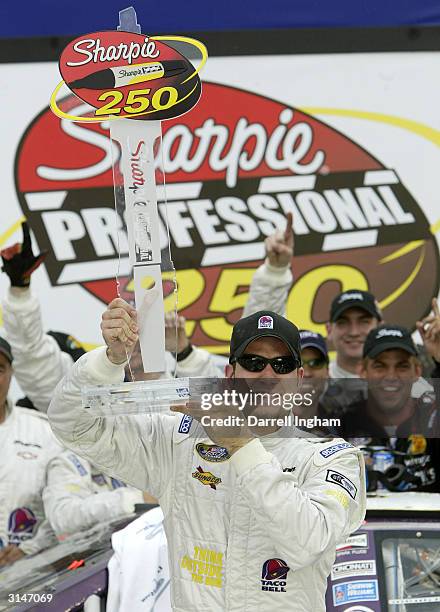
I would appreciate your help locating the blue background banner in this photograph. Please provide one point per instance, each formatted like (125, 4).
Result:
(52, 18)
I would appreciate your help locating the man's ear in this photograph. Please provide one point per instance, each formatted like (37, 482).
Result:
(363, 371)
(329, 328)
(419, 369)
(229, 371)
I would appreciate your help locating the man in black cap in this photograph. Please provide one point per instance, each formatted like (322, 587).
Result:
(250, 522)
(399, 432)
(353, 314)
(314, 357)
(314, 354)
(278, 332)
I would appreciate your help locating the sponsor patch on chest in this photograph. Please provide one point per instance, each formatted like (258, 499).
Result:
(21, 525)
(274, 575)
(206, 478)
(212, 453)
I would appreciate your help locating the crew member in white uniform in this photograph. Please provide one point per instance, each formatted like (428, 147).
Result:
(28, 448)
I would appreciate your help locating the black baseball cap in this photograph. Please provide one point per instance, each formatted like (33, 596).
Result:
(5, 349)
(355, 298)
(260, 324)
(387, 337)
(310, 339)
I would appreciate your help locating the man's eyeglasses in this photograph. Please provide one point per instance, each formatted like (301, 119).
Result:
(317, 363)
(257, 363)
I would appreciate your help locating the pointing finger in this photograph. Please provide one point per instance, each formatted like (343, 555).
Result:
(288, 233)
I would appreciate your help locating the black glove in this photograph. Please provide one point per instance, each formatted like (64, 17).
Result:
(18, 260)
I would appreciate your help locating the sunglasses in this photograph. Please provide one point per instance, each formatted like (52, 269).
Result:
(315, 364)
(280, 365)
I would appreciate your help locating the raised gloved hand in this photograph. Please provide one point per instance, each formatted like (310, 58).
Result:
(19, 261)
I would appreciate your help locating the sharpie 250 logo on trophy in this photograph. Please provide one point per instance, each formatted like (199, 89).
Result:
(122, 74)
(235, 165)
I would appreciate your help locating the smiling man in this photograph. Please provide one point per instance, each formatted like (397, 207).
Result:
(252, 523)
(353, 314)
(390, 419)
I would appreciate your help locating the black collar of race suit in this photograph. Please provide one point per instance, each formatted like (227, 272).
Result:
(425, 420)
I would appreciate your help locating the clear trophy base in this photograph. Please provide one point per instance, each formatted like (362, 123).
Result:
(144, 397)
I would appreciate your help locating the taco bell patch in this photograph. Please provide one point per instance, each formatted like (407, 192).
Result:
(265, 322)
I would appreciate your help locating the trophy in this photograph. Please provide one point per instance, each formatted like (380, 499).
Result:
(133, 82)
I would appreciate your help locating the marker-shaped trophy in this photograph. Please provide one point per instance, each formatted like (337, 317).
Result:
(94, 69)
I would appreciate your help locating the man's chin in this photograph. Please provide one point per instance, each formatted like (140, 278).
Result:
(313, 387)
(353, 352)
(264, 412)
(389, 407)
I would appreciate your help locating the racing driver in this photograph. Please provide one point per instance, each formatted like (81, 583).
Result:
(252, 523)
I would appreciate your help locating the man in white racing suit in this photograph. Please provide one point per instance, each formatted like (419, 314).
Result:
(28, 448)
(251, 524)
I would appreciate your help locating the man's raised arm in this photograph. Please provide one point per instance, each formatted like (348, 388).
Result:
(136, 449)
(272, 280)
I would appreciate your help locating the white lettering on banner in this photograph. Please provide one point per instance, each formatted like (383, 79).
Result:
(178, 223)
(315, 207)
(93, 51)
(102, 225)
(214, 223)
(187, 151)
(65, 227)
(394, 206)
(265, 207)
(91, 137)
(345, 208)
(374, 209)
(284, 149)
(240, 227)
(200, 214)
(206, 223)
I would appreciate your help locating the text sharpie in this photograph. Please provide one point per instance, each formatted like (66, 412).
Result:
(120, 76)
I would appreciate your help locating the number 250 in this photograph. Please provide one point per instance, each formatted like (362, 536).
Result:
(137, 101)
